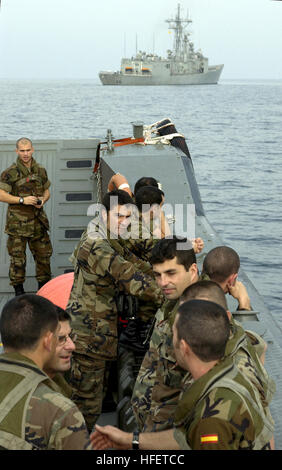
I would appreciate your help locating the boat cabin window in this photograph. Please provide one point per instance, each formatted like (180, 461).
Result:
(73, 233)
(78, 197)
(79, 164)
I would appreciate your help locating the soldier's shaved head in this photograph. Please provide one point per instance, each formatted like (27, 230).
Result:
(23, 140)
(205, 290)
(205, 327)
(220, 263)
(25, 319)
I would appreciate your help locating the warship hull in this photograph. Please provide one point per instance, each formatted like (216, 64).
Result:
(211, 77)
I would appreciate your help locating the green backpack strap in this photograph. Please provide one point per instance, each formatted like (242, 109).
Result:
(9, 441)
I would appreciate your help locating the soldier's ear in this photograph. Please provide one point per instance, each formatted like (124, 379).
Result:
(48, 341)
(184, 348)
(194, 272)
(231, 280)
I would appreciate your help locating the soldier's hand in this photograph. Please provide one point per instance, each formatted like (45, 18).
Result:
(38, 206)
(239, 292)
(109, 437)
(30, 201)
(198, 245)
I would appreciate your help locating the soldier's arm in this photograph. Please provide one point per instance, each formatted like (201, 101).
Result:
(139, 263)
(69, 431)
(239, 292)
(130, 279)
(106, 437)
(6, 197)
(10, 199)
(140, 247)
(46, 196)
(217, 434)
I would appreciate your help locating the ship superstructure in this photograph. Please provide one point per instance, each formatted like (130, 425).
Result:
(182, 66)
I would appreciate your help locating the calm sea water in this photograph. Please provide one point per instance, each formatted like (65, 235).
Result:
(233, 131)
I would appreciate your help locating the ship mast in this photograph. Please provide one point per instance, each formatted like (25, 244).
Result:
(176, 24)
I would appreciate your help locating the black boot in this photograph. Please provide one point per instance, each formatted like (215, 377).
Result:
(19, 290)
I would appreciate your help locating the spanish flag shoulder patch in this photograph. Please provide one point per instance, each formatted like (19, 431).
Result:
(209, 438)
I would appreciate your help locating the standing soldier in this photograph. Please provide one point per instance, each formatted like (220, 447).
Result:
(103, 268)
(25, 187)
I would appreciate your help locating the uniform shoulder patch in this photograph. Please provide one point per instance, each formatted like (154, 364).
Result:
(208, 438)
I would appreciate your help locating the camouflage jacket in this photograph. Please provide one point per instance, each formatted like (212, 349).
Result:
(160, 380)
(243, 347)
(140, 243)
(101, 272)
(141, 240)
(222, 411)
(33, 414)
(18, 180)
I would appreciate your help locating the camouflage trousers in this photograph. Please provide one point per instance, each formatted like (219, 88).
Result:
(41, 249)
(88, 378)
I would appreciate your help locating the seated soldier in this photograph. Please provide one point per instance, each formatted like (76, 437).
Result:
(149, 201)
(220, 411)
(161, 227)
(61, 361)
(222, 265)
(166, 384)
(34, 415)
(119, 181)
(242, 345)
(175, 268)
(146, 181)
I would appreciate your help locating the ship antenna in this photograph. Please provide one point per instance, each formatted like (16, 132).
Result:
(136, 44)
(176, 24)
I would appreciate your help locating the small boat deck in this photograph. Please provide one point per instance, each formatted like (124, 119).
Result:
(70, 164)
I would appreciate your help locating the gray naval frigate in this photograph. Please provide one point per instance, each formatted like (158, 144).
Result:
(182, 66)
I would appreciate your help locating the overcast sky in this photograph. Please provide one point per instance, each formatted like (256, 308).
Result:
(78, 38)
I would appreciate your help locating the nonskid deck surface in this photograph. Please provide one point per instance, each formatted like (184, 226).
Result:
(69, 165)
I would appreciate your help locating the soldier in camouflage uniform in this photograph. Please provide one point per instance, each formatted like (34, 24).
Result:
(61, 361)
(25, 187)
(221, 410)
(158, 382)
(34, 415)
(161, 381)
(101, 272)
(222, 265)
